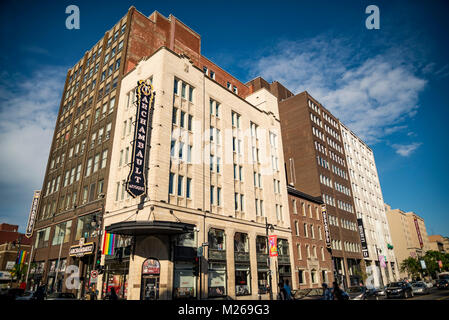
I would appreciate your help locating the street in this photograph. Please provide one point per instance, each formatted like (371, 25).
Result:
(434, 294)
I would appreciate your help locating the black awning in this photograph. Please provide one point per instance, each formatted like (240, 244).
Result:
(137, 228)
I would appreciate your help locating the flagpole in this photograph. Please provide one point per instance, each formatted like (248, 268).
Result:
(29, 264)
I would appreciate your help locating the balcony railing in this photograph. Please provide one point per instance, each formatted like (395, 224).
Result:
(284, 259)
(241, 256)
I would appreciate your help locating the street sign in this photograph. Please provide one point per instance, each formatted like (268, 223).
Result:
(94, 274)
(423, 264)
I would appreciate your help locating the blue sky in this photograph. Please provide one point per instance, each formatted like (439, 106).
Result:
(390, 85)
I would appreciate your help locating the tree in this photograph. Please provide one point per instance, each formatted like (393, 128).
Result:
(412, 266)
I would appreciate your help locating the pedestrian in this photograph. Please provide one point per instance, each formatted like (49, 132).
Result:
(113, 295)
(282, 293)
(338, 293)
(327, 292)
(288, 291)
(92, 294)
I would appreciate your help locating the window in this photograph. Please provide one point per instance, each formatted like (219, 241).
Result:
(89, 167)
(96, 162)
(189, 125)
(62, 233)
(180, 181)
(183, 90)
(182, 119)
(218, 196)
(84, 227)
(298, 250)
(188, 187)
(211, 194)
(170, 183)
(175, 110)
(175, 87)
(104, 159)
(190, 94)
(212, 74)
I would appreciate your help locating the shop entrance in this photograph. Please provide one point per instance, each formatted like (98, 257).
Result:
(151, 270)
(150, 288)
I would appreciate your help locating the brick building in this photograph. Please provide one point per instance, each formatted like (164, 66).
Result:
(315, 164)
(312, 259)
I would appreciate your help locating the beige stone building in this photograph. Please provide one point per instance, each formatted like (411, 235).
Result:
(215, 176)
(439, 243)
(409, 234)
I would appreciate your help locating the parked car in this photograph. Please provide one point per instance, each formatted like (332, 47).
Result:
(380, 291)
(61, 296)
(399, 290)
(429, 284)
(443, 284)
(27, 295)
(12, 293)
(420, 288)
(355, 293)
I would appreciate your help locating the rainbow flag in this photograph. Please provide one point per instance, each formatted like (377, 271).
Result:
(22, 257)
(108, 243)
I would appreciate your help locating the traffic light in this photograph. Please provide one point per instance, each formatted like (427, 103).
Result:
(98, 261)
(196, 266)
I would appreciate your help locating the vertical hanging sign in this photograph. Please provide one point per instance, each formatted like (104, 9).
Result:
(272, 241)
(136, 182)
(421, 244)
(365, 251)
(33, 214)
(327, 234)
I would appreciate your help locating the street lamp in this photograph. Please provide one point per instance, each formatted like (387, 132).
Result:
(380, 267)
(271, 228)
(98, 224)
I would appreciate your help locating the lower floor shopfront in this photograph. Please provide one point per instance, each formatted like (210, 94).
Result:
(161, 260)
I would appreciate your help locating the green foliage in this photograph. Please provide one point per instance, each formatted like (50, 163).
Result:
(19, 271)
(413, 266)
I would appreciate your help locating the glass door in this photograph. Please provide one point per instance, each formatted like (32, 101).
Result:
(150, 288)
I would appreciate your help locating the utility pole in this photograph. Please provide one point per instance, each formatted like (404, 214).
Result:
(271, 227)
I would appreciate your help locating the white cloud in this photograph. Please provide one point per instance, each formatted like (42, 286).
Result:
(406, 150)
(373, 95)
(28, 110)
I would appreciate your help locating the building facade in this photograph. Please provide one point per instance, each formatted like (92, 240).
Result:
(409, 235)
(77, 173)
(312, 259)
(315, 164)
(214, 181)
(439, 243)
(377, 249)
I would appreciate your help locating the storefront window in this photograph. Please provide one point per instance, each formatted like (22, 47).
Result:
(217, 279)
(42, 238)
(242, 279)
(84, 227)
(62, 232)
(216, 239)
(283, 247)
(186, 240)
(185, 281)
(261, 245)
(240, 242)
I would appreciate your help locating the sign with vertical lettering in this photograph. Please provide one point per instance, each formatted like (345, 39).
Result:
(327, 234)
(272, 241)
(418, 232)
(33, 213)
(363, 238)
(136, 182)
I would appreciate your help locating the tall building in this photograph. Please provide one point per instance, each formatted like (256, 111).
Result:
(439, 243)
(377, 249)
(312, 260)
(315, 164)
(185, 204)
(408, 233)
(211, 179)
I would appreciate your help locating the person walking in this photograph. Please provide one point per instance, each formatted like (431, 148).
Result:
(92, 293)
(288, 291)
(327, 292)
(113, 295)
(338, 293)
(282, 295)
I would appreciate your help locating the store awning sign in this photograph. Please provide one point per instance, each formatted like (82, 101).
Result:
(272, 242)
(136, 182)
(151, 266)
(33, 214)
(81, 250)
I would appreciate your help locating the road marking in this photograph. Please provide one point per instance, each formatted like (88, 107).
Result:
(443, 298)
